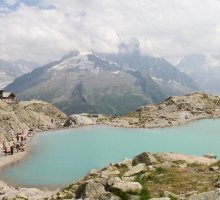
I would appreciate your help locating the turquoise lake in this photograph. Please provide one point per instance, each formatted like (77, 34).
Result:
(60, 157)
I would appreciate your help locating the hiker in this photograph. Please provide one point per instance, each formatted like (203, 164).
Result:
(12, 150)
(17, 136)
(17, 147)
(22, 146)
(3, 147)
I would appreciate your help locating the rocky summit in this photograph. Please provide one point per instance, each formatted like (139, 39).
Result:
(28, 115)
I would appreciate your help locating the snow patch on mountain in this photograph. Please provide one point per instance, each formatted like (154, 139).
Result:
(80, 60)
(157, 79)
(117, 72)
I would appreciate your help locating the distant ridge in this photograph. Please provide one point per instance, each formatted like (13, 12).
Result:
(173, 111)
(9, 70)
(93, 83)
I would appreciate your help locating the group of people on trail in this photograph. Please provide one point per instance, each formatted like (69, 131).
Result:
(18, 143)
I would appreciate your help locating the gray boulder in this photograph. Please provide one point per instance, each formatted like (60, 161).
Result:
(91, 190)
(108, 173)
(212, 195)
(116, 184)
(146, 158)
(126, 162)
(135, 170)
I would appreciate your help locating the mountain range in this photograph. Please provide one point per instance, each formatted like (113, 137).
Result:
(11, 70)
(204, 69)
(103, 83)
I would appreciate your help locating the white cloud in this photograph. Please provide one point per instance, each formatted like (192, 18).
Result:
(10, 2)
(168, 28)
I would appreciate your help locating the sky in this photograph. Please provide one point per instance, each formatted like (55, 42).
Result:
(45, 30)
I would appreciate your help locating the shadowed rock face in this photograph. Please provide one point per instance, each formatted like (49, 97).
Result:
(35, 115)
(145, 158)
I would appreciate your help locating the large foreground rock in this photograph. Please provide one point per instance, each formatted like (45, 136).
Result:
(90, 190)
(212, 195)
(187, 158)
(146, 158)
(116, 184)
(136, 169)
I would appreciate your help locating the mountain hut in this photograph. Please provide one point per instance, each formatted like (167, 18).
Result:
(9, 97)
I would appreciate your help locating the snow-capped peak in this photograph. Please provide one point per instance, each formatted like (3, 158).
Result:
(75, 59)
(84, 52)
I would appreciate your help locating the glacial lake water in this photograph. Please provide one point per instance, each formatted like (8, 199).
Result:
(60, 157)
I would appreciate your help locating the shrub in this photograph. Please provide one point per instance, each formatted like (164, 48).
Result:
(145, 194)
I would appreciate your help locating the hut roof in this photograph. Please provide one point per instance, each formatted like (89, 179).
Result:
(7, 94)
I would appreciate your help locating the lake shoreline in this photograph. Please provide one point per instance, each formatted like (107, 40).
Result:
(17, 157)
(12, 188)
(10, 159)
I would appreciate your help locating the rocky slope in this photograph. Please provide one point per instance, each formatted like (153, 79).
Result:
(25, 115)
(88, 82)
(175, 110)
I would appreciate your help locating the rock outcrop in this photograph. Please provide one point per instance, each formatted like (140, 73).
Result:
(145, 158)
(212, 195)
(28, 115)
(173, 111)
